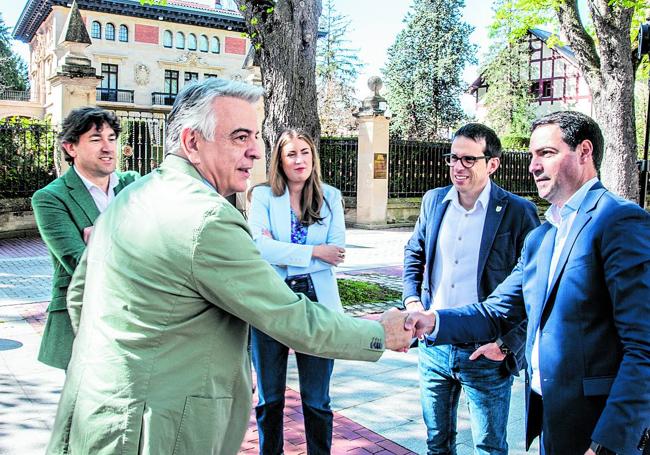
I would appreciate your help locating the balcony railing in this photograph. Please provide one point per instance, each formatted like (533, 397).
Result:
(115, 95)
(14, 95)
(164, 99)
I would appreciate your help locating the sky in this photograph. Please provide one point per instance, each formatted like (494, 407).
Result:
(374, 26)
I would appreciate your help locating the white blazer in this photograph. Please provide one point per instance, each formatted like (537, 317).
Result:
(288, 259)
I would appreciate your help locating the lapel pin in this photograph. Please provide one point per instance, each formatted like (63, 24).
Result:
(498, 208)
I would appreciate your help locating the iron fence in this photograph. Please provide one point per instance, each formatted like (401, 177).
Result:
(27, 156)
(513, 173)
(142, 141)
(338, 162)
(415, 167)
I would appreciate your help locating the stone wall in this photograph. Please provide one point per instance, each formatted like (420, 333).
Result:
(16, 218)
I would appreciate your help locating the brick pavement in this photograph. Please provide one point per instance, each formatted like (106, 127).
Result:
(25, 275)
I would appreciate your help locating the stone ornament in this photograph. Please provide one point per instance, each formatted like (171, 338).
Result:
(191, 58)
(142, 74)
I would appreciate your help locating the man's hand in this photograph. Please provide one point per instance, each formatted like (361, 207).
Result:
(331, 254)
(397, 337)
(590, 452)
(414, 305)
(490, 351)
(86, 234)
(421, 323)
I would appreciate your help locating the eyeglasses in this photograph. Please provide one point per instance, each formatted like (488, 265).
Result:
(466, 161)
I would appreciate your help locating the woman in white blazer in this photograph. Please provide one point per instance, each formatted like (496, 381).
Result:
(297, 223)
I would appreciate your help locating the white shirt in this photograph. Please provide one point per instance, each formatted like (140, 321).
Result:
(562, 219)
(454, 274)
(101, 199)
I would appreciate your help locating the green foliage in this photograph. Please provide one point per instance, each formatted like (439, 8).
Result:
(257, 13)
(515, 142)
(423, 73)
(13, 70)
(154, 2)
(508, 99)
(337, 69)
(353, 292)
(27, 150)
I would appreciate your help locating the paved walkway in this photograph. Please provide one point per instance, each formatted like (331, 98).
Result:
(376, 405)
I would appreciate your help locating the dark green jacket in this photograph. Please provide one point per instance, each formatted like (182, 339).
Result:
(62, 210)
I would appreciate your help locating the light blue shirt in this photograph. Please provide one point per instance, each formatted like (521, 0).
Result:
(562, 219)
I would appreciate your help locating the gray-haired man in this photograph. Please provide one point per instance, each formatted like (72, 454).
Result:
(169, 283)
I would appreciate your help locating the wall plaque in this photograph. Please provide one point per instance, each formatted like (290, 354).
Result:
(380, 166)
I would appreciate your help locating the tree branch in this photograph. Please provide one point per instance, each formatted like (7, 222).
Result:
(579, 40)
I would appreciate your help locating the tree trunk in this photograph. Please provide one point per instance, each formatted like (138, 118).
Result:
(285, 40)
(608, 68)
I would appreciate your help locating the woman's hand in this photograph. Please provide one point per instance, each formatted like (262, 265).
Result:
(267, 233)
(331, 254)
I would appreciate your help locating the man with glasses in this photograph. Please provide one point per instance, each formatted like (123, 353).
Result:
(466, 241)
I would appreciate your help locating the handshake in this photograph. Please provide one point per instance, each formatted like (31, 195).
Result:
(400, 327)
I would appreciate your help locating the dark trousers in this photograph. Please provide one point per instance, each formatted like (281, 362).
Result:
(270, 361)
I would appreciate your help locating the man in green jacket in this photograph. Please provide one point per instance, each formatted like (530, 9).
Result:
(169, 284)
(66, 211)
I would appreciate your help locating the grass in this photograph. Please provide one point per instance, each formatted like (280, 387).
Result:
(353, 292)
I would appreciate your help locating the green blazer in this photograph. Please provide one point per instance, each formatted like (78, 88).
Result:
(62, 210)
(170, 282)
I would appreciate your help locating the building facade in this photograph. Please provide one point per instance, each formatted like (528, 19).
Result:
(555, 79)
(145, 52)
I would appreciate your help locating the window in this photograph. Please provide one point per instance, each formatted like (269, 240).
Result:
(168, 39)
(124, 33)
(96, 30)
(171, 82)
(547, 89)
(108, 85)
(191, 42)
(534, 90)
(191, 77)
(110, 32)
(208, 75)
(180, 40)
(216, 46)
(203, 43)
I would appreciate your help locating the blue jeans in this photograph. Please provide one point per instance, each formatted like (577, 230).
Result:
(443, 371)
(270, 361)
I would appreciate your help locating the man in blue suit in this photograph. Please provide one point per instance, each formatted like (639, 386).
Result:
(583, 283)
(466, 241)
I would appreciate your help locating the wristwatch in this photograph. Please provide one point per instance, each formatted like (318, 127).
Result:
(502, 347)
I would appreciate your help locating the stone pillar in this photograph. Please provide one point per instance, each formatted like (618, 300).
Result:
(372, 167)
(74, 83)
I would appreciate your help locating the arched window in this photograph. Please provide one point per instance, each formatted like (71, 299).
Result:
(96, 30)
(191, 42)
(110, 32)
(124, 33)
(216, 45)
(180, 40)
(168, 38)
(203, 43)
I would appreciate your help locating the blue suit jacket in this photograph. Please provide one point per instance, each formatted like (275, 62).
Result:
(288, 259)
(501, 242)
(594, 324)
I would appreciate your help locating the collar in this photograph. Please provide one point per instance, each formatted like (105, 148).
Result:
(113, 181)
(483, 198)
(555, 214)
